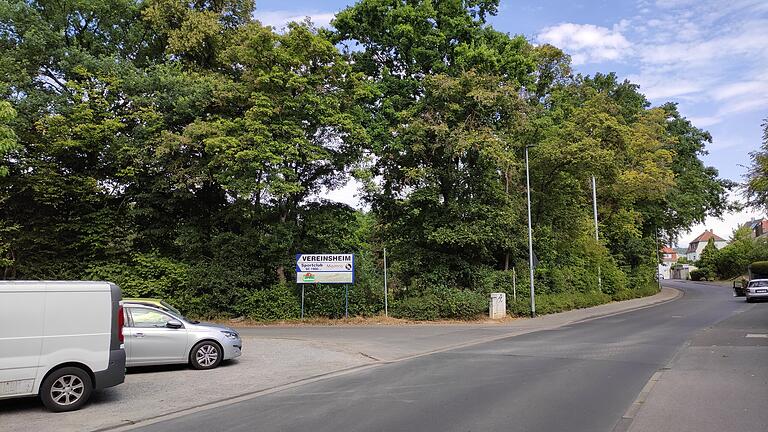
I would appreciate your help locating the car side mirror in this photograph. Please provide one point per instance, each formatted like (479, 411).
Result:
(174, 324)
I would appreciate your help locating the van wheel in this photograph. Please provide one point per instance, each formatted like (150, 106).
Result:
(206, 355)
(66, 389)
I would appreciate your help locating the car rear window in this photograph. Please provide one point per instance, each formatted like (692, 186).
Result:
(758, 284)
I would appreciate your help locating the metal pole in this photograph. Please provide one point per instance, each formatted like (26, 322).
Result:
(346, 301)
(658, 259)
(386, 312)
(514, 285)
(597, 238)
(302, 301)
(530, 234)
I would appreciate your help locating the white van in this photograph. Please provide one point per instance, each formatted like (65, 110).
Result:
(60, 341)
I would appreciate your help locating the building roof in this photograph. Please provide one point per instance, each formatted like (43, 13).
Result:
(704, 237)
(751, 224)
(668, 250)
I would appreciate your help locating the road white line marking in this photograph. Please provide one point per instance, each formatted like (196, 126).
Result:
(757, 335)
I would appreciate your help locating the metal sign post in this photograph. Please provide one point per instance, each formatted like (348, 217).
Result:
(325, 268)
(328, 269)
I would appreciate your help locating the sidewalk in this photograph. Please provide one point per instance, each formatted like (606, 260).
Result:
(718, 382)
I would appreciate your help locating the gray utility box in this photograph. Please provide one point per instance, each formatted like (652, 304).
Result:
(497, 309)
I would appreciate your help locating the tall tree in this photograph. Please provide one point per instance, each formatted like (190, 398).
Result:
(756, 187)
(8, 142)
(296, 132)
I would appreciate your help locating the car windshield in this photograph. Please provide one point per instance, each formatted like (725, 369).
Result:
(172, 309)
(176, 312)
(759, 283)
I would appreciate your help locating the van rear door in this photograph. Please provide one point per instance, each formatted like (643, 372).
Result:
(22, 307)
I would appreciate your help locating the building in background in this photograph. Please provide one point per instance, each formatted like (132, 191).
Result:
(759, 227)
(668, 259)
(693, 253)
(668, 255)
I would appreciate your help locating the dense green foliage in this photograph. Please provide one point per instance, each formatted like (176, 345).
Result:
(699, 274)
(734, 259)
(182, 150)
(759, 269)
(756, 190)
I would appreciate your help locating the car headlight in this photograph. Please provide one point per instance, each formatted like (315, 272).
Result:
(230, 334)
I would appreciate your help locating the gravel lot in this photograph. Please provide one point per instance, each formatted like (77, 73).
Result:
(152, 391)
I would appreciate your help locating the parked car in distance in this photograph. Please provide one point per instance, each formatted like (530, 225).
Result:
(157, 336)
(60, 341)
(756, 289)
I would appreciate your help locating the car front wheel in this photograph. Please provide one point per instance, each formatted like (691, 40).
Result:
(66, 389)
(206, 355)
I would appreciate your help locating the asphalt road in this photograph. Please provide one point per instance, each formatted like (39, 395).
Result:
(717, 382)
(581, 377)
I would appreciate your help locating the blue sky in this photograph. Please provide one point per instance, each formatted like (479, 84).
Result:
(709, 56)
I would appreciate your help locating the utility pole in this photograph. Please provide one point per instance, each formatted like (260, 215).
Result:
(530, 233)
(386, 312)
(658, 259)
(597, 238)
(514, 285)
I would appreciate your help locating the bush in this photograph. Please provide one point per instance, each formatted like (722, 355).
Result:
(462, 304)
(148, 275)
(278, 302)
(449, 303)
(422, 308)
(560, 302)
(698, 274)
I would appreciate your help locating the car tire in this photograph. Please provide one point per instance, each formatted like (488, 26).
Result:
(206, 355)
(66, 389)
(749, 300)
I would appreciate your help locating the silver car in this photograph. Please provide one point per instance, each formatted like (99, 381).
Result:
(154, 336)
(756, 289)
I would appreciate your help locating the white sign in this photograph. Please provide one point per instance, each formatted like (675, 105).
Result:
(325, 268)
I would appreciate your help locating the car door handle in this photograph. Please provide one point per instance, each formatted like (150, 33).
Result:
(139, 335)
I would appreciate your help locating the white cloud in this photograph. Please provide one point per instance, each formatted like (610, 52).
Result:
(740, 89)
(703, 122)
(709, 55)
(723, 227)
(662, 86)
(667, 4)
(587, 42)
(739, 97)
(280, 18)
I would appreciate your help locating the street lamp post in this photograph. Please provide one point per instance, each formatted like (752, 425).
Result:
(597, 238)
(530, 233)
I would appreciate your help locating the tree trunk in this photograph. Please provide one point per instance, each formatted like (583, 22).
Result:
(281, 268)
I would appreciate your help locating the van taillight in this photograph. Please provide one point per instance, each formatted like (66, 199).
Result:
(120, 323)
